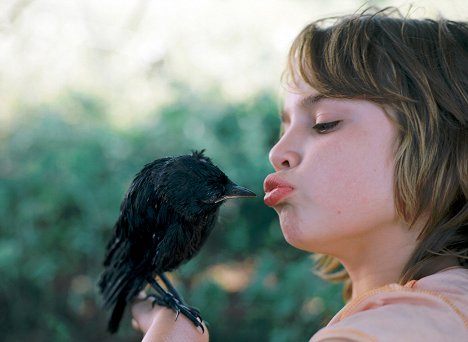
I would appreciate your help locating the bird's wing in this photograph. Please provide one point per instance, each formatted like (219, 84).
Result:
(137, 207)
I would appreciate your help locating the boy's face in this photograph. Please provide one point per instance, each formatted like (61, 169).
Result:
(341, 172)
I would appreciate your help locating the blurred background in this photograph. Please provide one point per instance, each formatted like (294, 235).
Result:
(92, 90)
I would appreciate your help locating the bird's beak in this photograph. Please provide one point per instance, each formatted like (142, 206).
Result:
(235, 191)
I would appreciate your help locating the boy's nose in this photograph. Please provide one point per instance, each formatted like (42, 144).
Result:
(283, 156)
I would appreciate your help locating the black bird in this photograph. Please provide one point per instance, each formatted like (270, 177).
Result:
(165, 217)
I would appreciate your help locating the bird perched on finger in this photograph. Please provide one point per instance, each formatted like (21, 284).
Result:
(165, 218)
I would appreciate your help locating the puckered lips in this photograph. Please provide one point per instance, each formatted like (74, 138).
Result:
(276, 189)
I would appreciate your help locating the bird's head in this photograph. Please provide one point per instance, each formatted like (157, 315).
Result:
(194, 185)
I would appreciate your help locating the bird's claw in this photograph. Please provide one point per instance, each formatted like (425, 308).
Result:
(168, 300)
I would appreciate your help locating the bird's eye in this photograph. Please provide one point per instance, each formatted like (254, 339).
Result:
(210, 198)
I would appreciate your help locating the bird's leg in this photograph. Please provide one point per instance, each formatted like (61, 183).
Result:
(175, 293)
(169, 300)
(170, 287)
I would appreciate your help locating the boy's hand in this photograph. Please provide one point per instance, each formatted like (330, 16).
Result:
(159, 323)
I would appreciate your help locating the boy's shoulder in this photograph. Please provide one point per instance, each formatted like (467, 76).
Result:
(434, 308)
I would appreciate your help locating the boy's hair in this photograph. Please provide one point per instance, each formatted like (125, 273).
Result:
(419, 69)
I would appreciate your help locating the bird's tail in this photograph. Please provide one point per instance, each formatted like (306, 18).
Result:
(117, 314)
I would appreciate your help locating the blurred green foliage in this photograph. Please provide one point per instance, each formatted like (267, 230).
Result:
(64, 168)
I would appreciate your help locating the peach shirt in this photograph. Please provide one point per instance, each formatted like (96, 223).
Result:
(434, 308)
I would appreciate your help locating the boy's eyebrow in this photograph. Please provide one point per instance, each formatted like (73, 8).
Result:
(306, 102)
(311, 100)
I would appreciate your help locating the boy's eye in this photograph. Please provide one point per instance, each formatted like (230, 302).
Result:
(325, 127)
